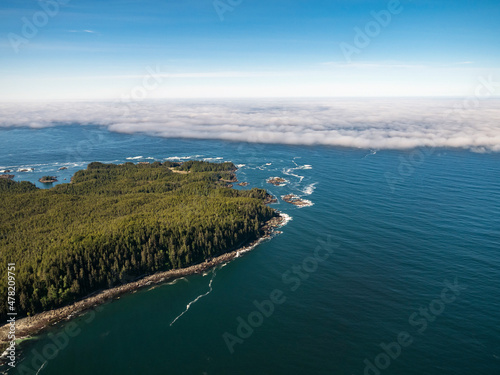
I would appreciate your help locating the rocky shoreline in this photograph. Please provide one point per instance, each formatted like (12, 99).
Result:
(33, 325)
(296, 201)
(276, 181)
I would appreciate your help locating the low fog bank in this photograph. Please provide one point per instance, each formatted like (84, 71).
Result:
(359, 123)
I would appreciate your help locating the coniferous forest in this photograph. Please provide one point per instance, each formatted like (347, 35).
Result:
(115, 223)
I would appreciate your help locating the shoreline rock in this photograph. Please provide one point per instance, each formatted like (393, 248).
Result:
(297, 201)
(47, 179)
(276, 181)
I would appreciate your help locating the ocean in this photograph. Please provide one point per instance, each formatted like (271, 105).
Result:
(392, 269)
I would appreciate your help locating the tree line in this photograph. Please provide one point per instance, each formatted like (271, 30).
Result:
(115, 223)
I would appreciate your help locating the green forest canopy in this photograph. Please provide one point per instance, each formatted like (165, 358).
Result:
(114, 223)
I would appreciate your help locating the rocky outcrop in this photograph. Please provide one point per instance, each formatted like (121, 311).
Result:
(276, 181)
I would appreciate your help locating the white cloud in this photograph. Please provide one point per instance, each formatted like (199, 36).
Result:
(219, 74)
(83, 31)
(361, 123)
(373, 65)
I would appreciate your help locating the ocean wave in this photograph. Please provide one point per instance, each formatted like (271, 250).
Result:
(135, 157)
(177, 280)
(289, 172)
(309, 189)
(188, 306)
(307, 202)
(263, 167)
(213, 159)
(287, 218)
(190, 157)
(40, 369)
(372, 152)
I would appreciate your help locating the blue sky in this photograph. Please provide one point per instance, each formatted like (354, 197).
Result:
(106, 49)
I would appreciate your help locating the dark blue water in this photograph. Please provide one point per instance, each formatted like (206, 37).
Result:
(400, 250)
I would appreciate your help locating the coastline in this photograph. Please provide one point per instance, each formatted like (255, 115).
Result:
(30, 326)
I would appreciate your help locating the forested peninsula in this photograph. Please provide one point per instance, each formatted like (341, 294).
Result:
(114, 224)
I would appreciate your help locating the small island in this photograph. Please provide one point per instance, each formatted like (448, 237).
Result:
(63, 168)
(243, 184)
(297, 201)
(48, 179)
(7, 176)
(276, 181)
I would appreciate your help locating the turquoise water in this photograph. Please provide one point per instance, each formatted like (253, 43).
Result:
(396, 232)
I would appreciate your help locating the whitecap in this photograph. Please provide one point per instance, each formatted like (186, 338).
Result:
(40, 369)
(213, 159)
(288, 171)
(307, 202)
(309, 189)
(287, 218)
(176, 280)
(189, 157)
(197, 298)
